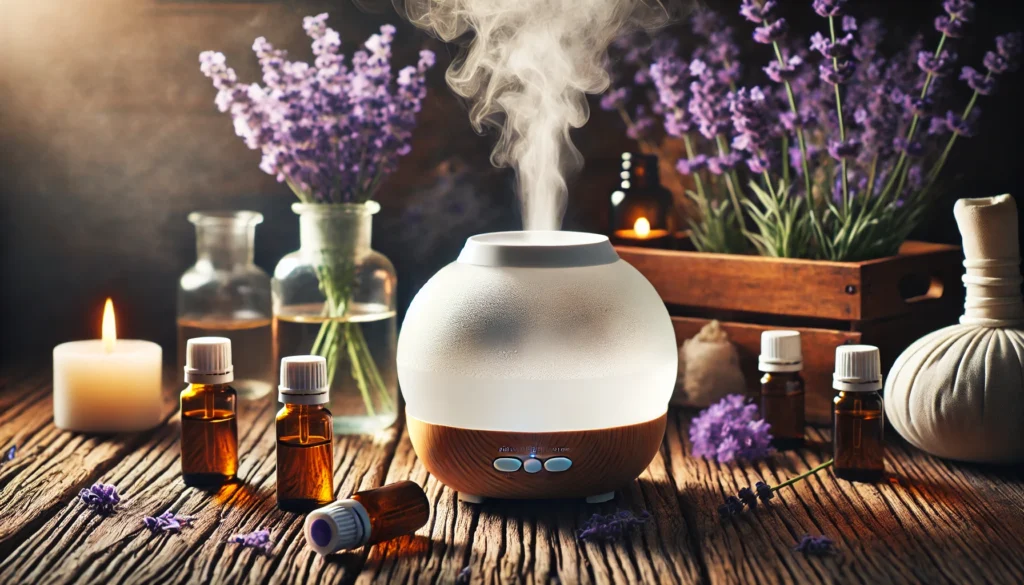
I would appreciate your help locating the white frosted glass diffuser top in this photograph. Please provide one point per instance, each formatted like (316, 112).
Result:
(537, 332)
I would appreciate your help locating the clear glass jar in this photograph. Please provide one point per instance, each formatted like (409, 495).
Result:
(335, 297)
(224, 294)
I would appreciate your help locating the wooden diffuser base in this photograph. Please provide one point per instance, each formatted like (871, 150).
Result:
(601, 460)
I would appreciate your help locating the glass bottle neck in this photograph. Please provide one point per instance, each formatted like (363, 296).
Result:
(225, 240)
(342, 228)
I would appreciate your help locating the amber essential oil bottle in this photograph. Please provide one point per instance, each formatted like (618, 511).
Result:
(858, 414)
(782, 387)
(209, 429)
(305, 436)
(367, 517)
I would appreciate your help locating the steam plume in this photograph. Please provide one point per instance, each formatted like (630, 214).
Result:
(526, 71)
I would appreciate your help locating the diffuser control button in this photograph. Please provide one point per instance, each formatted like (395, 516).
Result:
(532, 465)
(556, 464)
(507, 464)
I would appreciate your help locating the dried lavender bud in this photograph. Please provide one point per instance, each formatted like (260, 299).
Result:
(732, 507)
(748, 497)
(259, 539)
(463, 577)
(730, 429)
(764, 492)
(167, 522)
(610, 527)
(9, 454)
(102, 498)
(815, 545)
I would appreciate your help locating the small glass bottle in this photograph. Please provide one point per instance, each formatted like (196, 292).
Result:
(305, 436)
(858, 414)
(782, 387)
(225, 294)
(209, 430)
(367, 517)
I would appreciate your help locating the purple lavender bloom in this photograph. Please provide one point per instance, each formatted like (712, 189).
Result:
(940, 65)
(779, 73)
(8, 455)
(815, 545)
(643, 124)
(464, 576)
(847, 149)
(615, 99)
(167, 522)
(102, 498)
(952, 28)
(996, 63)
(840, 48)
(912, 148)
(937, 126)
(959, 9)
(669, 75)
(730, 429)
(611, 527)
(849, 23)
(719, 165)
(693, 165)
(1009, 45)
(758, 163)
(756, 12)
(981, 83)
(260, 539)
(764, 492)
(920, 107)
(836, 74)
(771, 32)
(706, 22)
(872, 33)
(827, 8)
(957, 125)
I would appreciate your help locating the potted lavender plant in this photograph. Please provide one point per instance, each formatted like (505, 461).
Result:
(332, 132)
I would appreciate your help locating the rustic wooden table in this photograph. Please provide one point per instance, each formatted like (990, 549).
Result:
(932, 522)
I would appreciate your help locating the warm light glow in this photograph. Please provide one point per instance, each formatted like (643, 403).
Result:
(109, 327)
(642, 227)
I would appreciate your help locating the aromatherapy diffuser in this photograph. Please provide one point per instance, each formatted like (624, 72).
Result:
(538, 365)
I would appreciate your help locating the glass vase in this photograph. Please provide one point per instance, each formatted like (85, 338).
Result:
(225, 294)
(335, 297)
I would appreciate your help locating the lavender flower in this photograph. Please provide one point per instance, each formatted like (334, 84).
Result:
(871, 34)
(911, 148)
(995, 63)
(937, 126)
(840, 73)
(611, 527)
(167, 522)
(940, 65)
(756, 12)
(330, 130)
(764, 492)
(1009, 46)
(748, 497)
(693, 165)
(981, 83)
(102, 498)
(779, 73)
(719, 165)
(846, 149)
(615, 99)
(729, 430)
(8, 455)
(733, 506)
(464, 576)
(958, 126)
(827, 8)
(771, 32)
(669, 75)
(832, 50)
(815, 545)
(260, 539)
(959, 9)
(849, 23)
(920, 107)
(951, 27)
(708, 104)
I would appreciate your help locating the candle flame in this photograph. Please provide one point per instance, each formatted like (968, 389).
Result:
(109, 327)
(642, 227)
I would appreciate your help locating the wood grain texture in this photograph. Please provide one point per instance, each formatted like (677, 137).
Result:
(842, 291)
(932, 522)
(603, 460)
(819, 349)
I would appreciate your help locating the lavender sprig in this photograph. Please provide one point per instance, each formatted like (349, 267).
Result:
(611, 527)
(815, 545)
(167, 522)
(730, 429)
(259, 539)
(102, 498)
(748, 498)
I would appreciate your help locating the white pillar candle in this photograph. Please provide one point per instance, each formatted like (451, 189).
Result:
(108, 385)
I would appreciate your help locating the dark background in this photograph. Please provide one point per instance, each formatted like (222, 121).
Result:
(109, 137)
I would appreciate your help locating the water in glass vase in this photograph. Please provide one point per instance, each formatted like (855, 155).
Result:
(252, 350)
(360, 352)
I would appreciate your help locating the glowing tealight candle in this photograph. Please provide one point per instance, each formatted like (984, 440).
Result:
(642, 232)
(642, 227)
(109, 384)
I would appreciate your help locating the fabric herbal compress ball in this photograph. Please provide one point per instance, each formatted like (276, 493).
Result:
(958, 392)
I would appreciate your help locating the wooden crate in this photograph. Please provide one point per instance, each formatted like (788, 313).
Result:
(889, 302)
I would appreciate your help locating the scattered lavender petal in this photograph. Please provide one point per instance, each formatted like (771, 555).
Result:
(9, 454)
(259, 539)
(102, 498)
(730, 429)
(815, 545)
(610, 527)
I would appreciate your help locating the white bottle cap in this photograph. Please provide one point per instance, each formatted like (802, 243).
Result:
(780, 352)
(303, 380)
(208, 361)
(338, 526)
(858, 369)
